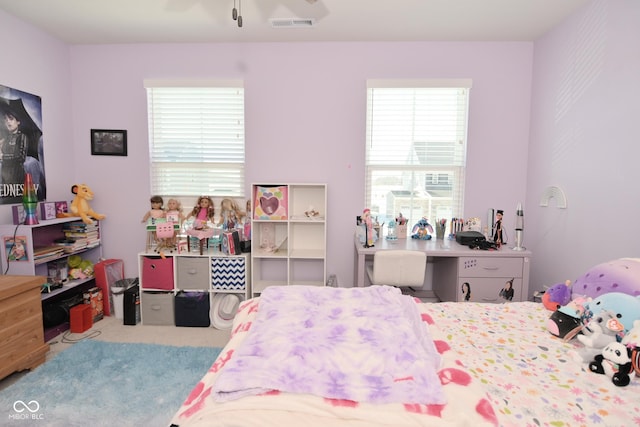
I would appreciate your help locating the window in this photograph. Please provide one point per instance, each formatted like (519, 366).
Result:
(196, 138)
(416, 148)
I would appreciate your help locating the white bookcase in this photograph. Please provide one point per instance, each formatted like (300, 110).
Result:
(41, 235)
(289, 235)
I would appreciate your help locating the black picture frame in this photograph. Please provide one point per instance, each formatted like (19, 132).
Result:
(108, 142)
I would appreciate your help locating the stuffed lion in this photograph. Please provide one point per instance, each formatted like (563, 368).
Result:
(80, 205)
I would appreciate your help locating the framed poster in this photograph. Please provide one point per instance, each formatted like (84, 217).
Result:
(106, 142)
(16, 248)
(21, 113)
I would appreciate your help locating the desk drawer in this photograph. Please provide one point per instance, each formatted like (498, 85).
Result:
(489, 267)
(487, 289)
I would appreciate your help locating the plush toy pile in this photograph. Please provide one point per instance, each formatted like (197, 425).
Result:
(601, 309)
(79, 268)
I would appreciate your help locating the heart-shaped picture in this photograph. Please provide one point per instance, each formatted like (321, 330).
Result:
(269, 205)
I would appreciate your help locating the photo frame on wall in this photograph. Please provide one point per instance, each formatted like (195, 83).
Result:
(108, 142)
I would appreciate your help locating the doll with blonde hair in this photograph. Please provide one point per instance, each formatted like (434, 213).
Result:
(174, 214)
(230, 214)
(203, 212)
(174, 211)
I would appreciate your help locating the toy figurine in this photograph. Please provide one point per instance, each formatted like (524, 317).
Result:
(422, 229)
(247, 222)
(498, 236)
(230, 214)
(203, 212)
(156, 211)
(368, 226)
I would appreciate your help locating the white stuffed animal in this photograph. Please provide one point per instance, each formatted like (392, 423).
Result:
(597, 334)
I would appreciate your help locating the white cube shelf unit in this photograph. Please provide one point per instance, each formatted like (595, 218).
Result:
(163, 277)
(289, 235)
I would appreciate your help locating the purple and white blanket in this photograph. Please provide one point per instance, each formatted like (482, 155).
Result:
(359, 344)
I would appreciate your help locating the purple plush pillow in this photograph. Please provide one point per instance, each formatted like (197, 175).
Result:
(620, 275)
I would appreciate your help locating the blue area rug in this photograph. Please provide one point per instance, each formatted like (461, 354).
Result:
(97, 383)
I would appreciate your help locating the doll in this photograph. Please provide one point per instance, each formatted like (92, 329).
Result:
(247, 222)
(498, 235)
(368, 226)
(156, 211)
(174, 211)
(174, 214)
(230, 214)
(203, 212)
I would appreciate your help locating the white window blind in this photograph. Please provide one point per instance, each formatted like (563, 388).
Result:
(416, 148)
(196, 138)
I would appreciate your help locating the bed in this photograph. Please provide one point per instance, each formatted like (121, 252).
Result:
(496, 365)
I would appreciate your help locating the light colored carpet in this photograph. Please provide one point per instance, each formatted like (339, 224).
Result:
(97, 383)
(112, 330)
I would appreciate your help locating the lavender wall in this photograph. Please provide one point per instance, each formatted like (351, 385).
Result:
(38, 64)
(584, 139)
(305, 115)
(305, 120)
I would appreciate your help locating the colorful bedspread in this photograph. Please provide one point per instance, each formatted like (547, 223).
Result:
(467, 403)
(529, 374)
(359, 344)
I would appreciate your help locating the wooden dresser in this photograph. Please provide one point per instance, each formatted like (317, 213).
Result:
(22, 343)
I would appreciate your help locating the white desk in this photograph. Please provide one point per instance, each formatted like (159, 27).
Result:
(486, 272)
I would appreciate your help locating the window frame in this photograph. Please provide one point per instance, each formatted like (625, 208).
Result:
(416, 167)
(217, 169)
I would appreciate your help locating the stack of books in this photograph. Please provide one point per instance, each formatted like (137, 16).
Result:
(84, 235)
(70, 245)
(47, 253)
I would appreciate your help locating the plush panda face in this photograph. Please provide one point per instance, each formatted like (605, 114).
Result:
(617, 353)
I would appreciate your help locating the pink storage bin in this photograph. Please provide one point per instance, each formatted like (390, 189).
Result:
(157, 273)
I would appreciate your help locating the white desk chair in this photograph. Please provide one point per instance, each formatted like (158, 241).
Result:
(400, 268)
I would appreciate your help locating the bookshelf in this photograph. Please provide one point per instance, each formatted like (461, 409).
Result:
(31, 249)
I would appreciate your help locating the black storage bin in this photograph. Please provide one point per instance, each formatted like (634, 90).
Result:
(192, 309)
(131, 305)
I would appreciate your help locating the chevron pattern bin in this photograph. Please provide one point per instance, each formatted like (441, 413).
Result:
(228, 274)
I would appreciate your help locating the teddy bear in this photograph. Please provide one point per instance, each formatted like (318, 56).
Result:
(615, 362)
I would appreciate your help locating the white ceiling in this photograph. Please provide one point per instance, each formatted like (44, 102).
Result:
(182, 21)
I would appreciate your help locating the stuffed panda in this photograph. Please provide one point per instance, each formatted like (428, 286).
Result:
(615, 362)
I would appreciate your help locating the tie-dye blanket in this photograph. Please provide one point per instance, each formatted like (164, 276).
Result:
(358, 344)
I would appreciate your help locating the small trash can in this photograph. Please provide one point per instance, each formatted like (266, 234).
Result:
(117, 295)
